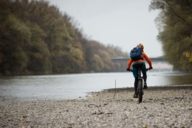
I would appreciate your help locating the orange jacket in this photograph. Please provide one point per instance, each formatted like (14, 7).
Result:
(144, 58)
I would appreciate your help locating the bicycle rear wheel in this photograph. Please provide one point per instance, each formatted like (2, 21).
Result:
(140, 90)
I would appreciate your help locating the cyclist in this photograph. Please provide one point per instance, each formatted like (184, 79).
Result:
(140, 63)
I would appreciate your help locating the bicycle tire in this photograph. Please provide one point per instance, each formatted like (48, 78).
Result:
(140, 90)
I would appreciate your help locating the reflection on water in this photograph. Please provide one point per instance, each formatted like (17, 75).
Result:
(75, 85)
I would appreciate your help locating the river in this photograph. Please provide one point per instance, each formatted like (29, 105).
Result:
(72, 86)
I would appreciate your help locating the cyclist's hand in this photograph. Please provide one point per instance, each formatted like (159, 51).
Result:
(128, 69)
(150, 68)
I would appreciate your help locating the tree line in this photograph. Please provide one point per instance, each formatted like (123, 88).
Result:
(175, 26)
(36, 38)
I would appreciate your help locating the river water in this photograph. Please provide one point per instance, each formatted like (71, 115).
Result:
(78, 85)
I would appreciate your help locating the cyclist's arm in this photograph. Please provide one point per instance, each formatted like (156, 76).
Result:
(130, 61)
(147, 59)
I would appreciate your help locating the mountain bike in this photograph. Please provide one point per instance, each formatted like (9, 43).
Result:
(140, 85)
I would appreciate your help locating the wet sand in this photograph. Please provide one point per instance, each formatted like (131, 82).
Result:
(115, 108)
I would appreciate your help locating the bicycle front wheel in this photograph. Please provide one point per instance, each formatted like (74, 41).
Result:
(140, 90)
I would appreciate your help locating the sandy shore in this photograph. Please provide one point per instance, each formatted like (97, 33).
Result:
(161, 108)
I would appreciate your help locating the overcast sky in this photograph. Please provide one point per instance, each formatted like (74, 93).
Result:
(123, 23)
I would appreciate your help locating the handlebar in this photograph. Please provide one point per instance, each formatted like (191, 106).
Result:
(131, 70)
(148, 69)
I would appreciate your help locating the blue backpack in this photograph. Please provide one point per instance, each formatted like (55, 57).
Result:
(136, 53)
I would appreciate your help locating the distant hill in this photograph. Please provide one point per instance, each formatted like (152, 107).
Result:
(37, 39)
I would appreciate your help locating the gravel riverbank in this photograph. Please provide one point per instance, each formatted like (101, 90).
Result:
(167, 108)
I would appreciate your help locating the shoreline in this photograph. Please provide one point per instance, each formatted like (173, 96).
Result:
(161, 107)
(153, 88)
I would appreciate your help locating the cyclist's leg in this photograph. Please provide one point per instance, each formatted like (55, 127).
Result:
(135, 74)
(144, 75)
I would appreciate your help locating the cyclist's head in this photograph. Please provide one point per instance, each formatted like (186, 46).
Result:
(140, 46)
